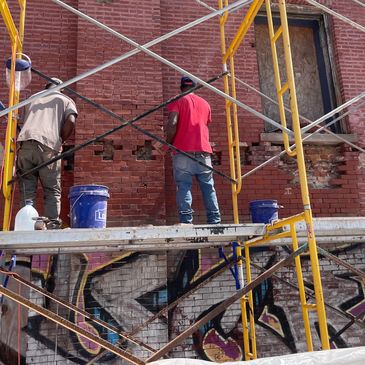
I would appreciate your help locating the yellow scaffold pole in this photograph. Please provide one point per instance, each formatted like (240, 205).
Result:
(248, 324)
(16, 38)
(247, 305)
(289, 86)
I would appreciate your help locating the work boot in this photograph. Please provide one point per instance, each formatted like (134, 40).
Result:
(40, 223)
(54, 224)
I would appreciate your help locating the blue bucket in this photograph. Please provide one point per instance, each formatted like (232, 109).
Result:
(88, 206)
(264, 211)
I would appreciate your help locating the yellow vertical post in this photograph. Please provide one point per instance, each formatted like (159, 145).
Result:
(303, 300)
(233, 145)
(252, 354)
(304, 183)
(8, 20)
(232, 127)
(248, 326)
(274, 36)
(16, 38)
(10, 146)
(22, 4)
(290, 87)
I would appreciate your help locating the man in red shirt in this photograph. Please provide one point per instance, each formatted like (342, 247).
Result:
(187, 130)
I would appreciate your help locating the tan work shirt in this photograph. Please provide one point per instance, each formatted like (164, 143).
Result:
(44, 119)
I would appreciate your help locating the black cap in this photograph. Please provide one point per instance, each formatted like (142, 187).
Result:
(187, 81)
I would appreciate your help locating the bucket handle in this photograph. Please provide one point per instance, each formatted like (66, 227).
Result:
(25, 56)
(78, 198)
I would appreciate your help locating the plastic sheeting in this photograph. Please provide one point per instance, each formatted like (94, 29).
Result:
(348, 356)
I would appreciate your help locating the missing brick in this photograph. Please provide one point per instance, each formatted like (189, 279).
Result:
(244, 155)
(108, 148)
(322, 164)
(144, 152)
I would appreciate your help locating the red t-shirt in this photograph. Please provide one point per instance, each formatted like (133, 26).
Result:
(192, 134)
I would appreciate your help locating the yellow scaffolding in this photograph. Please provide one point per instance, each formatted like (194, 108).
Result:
(249, 339)
(16, 39)
(234, 156)
(273, 231)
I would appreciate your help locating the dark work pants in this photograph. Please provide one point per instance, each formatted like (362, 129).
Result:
(31, 154)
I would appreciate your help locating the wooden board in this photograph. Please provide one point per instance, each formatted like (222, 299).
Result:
(307, 81)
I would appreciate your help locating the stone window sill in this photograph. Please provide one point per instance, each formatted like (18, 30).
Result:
(316, 139)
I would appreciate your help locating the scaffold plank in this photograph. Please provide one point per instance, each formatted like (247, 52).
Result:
(128, 238)
(177, 237)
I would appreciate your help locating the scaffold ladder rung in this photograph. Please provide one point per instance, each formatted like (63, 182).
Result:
(277, 34)
(283, 89)
(310, 306)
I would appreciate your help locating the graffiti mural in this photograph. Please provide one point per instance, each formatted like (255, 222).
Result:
(126, 289)
(214, 344)
(90, 268)
(45, 268)
(91, 265)
(356, 305)
(336, 341)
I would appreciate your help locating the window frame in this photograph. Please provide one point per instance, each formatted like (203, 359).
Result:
(321, 25)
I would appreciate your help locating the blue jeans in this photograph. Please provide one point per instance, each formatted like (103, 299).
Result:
(184, 170)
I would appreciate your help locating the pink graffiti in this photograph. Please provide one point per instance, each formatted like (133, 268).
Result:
(41, 263)
(219, 349)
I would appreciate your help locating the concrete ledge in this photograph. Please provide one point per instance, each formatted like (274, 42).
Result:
(327, 230)
(317, 139)
(127, 238)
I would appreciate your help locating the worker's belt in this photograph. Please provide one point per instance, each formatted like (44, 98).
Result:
(29, 141)
(199, 154)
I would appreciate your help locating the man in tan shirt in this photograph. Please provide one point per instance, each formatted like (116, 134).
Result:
(48, 122)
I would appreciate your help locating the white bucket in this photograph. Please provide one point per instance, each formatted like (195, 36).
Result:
(23, 74)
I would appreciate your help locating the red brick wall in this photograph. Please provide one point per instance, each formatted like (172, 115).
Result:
(351, 67)
(142, 191)
(128, 89)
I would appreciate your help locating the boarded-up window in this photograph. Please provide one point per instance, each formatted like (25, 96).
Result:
(314, 84)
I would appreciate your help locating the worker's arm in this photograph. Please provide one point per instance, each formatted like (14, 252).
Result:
(171, 126)
(21, 115)
(68, 127)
